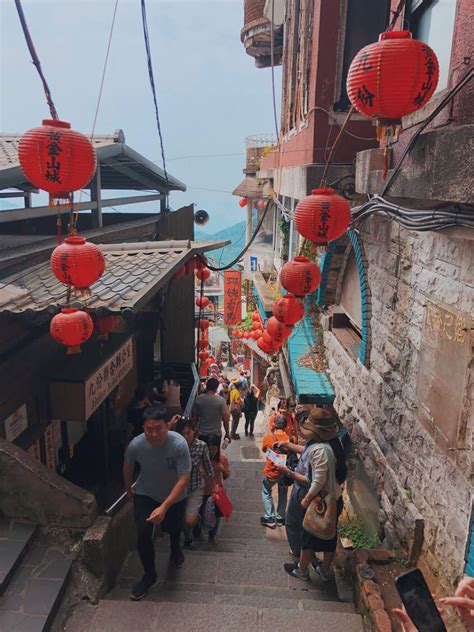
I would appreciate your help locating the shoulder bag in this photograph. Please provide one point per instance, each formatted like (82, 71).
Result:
(320, 519)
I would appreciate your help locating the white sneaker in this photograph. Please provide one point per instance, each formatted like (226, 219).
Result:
(322, 574)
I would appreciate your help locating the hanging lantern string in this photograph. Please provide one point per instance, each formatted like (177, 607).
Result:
(396, 15)
(35, 60)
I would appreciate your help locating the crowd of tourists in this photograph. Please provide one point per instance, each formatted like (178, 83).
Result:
(175, 469)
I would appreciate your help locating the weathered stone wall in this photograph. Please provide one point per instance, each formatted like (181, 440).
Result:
(425, 494)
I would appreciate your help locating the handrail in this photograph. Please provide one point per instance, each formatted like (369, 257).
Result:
(120, 501)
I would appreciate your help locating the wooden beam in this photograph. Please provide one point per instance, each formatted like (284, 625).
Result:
(132, 174)
(96, 186)
(12, 215)
(15, 194)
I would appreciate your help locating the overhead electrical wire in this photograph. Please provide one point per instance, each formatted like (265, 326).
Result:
(152, 83)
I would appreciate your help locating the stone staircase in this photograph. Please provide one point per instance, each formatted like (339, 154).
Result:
(238, 584)
(33, 578)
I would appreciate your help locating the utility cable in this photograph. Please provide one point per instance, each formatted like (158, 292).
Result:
(449, 97)
(35, 60)
(247, 246)
(152, 83)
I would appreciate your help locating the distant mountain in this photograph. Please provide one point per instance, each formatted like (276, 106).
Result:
(235, 233)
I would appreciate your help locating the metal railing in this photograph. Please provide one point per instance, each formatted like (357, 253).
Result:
(260, 140)
(121, 500)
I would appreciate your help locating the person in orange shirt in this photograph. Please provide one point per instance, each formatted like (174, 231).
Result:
(272, 477)
(284, 410)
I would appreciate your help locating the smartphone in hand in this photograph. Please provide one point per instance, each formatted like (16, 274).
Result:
(418, 602)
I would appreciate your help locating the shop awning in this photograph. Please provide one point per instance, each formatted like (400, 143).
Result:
(311, 387)
(134, 274)
(263, 295)
(249, 188)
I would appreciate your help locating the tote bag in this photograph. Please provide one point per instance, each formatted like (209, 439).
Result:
(320, 519)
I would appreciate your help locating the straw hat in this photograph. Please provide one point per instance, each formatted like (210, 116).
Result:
(318, 426)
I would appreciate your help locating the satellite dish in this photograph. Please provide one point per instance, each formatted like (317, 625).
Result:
(201, 217)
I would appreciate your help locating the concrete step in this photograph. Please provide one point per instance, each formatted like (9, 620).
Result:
(126, 616)
(15, 538)
(34, 593)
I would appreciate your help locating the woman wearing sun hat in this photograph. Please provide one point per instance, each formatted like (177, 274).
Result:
(322, 460)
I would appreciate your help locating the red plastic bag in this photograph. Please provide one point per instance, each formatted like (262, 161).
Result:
(222, 502)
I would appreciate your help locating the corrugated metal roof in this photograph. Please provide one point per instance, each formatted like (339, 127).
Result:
(121, 167)
(134, 273)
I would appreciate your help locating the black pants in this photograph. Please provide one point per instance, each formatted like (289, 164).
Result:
(172, 524)
(250, 421)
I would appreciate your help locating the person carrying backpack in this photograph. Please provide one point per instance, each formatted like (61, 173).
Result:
(272, 477)
(250, 409)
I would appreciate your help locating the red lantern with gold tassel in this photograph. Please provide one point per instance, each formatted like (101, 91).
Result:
(300, 276)
(288, 309)
(56, 158)
(71, 327)
(77, 263)
(393, 77)
(322, 216)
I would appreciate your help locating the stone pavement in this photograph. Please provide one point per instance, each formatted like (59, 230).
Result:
(239, 583)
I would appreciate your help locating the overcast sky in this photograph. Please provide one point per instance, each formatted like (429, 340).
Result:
(210, 93)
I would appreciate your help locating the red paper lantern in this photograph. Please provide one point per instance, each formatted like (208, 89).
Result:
(258, 333)
(202, 323)
(270, 341)
(234, 332)
(255, 324)
(71, 327)
(256, 316)
(203, 356)
(203, 344)
(242, 202)
(202, 301)
(105, 325)
(77, 262)
(278, 330)
(322, 216)
(288, 310)
(300, 276)
(203, 274)
(246, 335)
(189, 266)
(266, 348)
(200, 262)
(392, 77)
(57, 159)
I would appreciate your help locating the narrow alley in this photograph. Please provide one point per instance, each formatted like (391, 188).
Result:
(237, 584)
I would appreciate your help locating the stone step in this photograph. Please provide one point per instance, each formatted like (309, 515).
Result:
(34, 594)
(228, 575)
(126, 616)
(15, 538)
(256, 598)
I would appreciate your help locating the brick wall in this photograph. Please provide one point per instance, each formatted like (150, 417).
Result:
(253, 10)
(415, 480)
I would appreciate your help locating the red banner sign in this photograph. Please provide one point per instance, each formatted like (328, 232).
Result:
(232, 297)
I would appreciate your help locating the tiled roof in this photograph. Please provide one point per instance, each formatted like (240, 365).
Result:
(249, 187)
(134, 273)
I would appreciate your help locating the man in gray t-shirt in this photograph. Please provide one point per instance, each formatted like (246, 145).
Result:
(159, 496)
(210, 412)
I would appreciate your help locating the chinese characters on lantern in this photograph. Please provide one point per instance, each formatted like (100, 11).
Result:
(53, 165)
(232, 297)
(431, 71)
(324, 218)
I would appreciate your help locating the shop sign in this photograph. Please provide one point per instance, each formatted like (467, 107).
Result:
(34, 450)
(253, 264)
(232, 297)
(16, 423)
(107, 377)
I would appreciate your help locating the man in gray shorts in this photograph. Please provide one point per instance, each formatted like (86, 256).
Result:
(211, 412)
(159, 496)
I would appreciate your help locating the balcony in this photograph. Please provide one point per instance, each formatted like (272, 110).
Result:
(257, 34)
